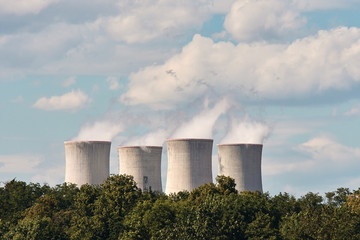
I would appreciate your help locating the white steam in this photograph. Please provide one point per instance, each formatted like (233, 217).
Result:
(99, 131)
(201, 125)
(246, 131)
(155, 138)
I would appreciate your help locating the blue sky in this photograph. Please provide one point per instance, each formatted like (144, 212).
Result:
(278, 72)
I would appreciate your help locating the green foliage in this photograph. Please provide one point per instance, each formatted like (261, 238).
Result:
(225, 185)
(16, 196)
(65, 194)
(117, 209)
(36, 228)
(262, 228)
(338, 197)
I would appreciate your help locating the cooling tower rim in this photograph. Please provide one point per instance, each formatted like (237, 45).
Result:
(239, 144)
(71, 142)
(140, 146)
(191, 139)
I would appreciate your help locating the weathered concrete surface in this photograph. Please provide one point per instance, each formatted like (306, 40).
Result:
(87, 162)
(143, 163)
(243, 163)
(189, 164)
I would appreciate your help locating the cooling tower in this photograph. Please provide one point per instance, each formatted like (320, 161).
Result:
(243, 163)
(189, 164)
(143, 163)
(87, 162)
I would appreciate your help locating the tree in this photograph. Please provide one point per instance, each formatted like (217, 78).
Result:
(262, 228)
(338, 197)
(16, 196)
(226, 185)
(34, 229)
(119, 194)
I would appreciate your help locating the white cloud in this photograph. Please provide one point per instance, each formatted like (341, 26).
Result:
(257, 20)
(308, 66)
(113, 82)
(19, 163)
(21, 7)
(65, 42)
(69, 101)
(220, 6)
(354, 111)
(4, 39)
(70, 81)
(311, 5)
(41, 48)
(285, 129)
(73, 49)
(103, 130)
(142, 21)
(319, 154)
(250, 20)
(325, 149)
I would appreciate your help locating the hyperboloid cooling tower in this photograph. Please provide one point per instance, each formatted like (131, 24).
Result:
(189, 164)
(143, 163)
(87, 162)
(243, 163)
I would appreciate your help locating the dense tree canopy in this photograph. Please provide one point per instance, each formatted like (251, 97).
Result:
(117, 209)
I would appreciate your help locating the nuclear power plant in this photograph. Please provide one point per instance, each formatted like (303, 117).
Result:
(87, 162)
(189, 164)
(241, 162)
(144, 164)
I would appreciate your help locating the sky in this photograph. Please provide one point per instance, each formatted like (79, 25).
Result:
(283, 73)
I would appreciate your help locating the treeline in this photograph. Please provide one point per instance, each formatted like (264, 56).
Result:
(119, 210)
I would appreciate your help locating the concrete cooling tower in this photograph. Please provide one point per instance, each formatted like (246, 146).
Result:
(243, 163)
(87, 162)
(189, 164)
(144, 164)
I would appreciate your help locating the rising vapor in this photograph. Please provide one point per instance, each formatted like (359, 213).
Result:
(246, 130)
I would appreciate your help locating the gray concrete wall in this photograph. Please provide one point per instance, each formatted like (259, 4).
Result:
(87, 162)
(143, 163)
(189, 164)
(243, 163)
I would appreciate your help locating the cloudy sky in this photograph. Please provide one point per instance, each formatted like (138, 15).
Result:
(285, 73)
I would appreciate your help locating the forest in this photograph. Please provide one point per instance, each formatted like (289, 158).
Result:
(117, 209)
